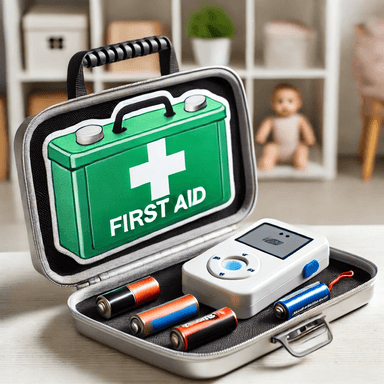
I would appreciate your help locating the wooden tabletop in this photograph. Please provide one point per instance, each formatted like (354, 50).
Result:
(39, 344)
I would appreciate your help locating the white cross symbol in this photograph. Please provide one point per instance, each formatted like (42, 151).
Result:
(157, 169)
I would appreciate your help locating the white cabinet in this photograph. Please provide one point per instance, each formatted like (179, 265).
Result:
(319, 85)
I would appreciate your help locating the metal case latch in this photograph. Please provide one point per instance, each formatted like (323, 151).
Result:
(306, 337)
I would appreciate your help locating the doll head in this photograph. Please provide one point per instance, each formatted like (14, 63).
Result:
(286, 100)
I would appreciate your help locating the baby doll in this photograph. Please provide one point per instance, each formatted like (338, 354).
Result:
(292, 133)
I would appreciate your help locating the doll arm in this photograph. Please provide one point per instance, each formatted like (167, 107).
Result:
(264, 130)
(307, 131)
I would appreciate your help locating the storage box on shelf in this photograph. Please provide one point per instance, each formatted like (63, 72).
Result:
(129, 30)
(37, 102)
(115, 21)
(289, 45)
(293, 22)
(52, 34)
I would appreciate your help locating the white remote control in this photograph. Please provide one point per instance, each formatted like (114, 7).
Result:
(256, 267)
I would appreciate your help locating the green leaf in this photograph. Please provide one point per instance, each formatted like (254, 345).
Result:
(211, 22)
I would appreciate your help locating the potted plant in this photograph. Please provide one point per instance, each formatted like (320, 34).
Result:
(211, 30)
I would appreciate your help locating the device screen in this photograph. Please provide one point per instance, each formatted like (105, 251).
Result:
(274, 240)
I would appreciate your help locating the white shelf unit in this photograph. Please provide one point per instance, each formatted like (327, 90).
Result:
(319, 85)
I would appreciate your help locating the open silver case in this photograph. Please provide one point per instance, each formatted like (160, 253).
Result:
(162, 256)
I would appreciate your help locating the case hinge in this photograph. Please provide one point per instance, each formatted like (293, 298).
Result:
(89, 282)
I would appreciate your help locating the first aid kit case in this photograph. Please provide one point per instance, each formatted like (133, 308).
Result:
(136, 181)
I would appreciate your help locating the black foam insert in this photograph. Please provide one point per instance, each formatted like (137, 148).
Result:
(170, 285)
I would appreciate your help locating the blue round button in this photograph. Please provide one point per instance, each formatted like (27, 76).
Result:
(233, 265)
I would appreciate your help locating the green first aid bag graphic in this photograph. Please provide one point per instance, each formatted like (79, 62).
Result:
(157, 163)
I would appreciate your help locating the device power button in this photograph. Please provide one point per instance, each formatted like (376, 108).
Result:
(310, 268)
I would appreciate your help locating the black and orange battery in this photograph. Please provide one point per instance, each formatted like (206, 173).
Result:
(203, 330)
(164, 316)
(117, 181)
(127, 297)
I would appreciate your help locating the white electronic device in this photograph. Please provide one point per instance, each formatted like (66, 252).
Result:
(255, 267)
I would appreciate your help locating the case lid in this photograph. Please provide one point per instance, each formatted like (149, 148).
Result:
(50, 17)
(190, 175)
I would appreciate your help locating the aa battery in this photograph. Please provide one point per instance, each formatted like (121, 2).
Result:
(164, 316)
(204, 330)
(302, 300)
(127, 297)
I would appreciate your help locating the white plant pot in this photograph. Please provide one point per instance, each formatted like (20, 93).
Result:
(215, 51)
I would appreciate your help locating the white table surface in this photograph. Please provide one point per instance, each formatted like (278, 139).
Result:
(39, 344)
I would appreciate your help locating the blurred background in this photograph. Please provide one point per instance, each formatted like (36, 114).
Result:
(332, 51)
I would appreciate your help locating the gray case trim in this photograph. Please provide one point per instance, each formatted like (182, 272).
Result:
(154, 251)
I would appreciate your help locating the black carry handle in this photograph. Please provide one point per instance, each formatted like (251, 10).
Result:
(117, 52)
(117, 126)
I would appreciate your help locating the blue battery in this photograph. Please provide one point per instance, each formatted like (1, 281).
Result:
(302, 300)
